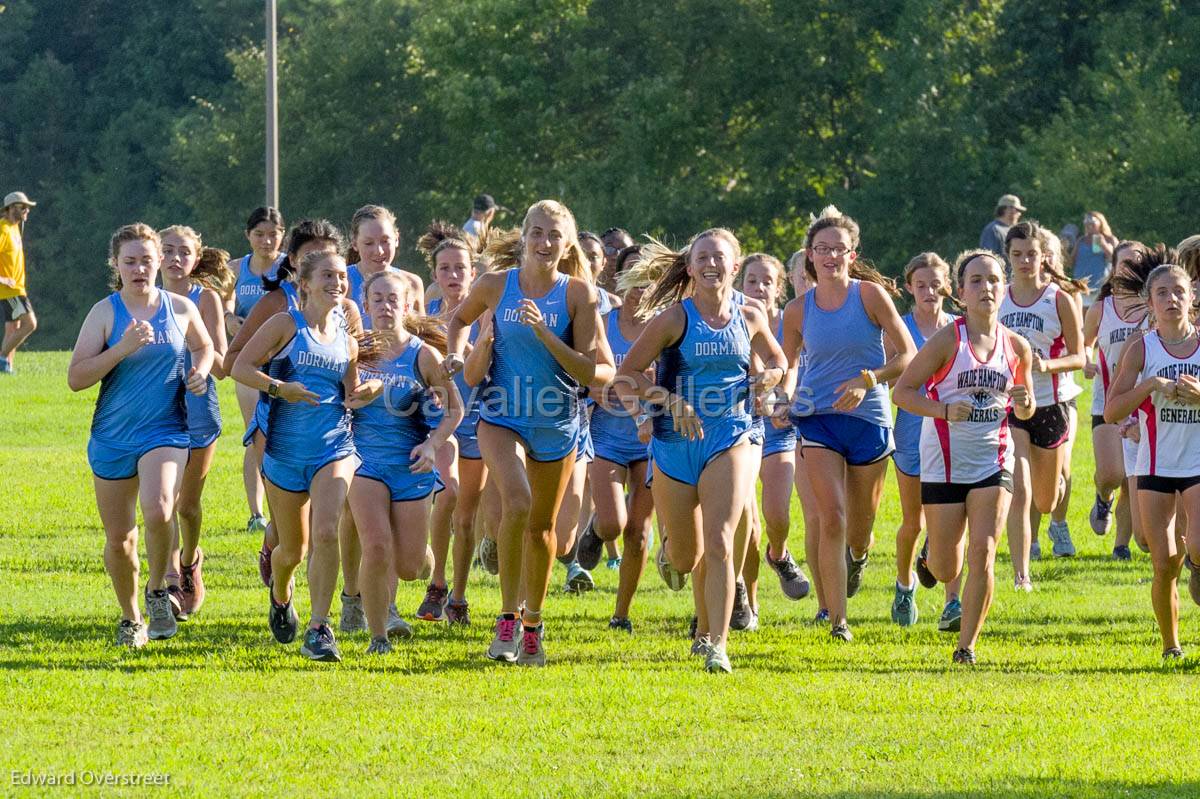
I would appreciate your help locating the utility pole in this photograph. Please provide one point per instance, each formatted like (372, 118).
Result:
(272, 110)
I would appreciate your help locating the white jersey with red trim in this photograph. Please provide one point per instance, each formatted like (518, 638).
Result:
(1110, 341)
(1040, 325)
(970, 451)
(1170, 445)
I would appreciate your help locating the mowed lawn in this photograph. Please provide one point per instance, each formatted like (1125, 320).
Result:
(1070, 697)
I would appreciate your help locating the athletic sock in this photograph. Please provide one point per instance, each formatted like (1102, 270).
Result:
(906, 588)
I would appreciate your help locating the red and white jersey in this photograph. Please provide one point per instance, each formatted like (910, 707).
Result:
(969, 451)
(1170, 445)
(1040, 325)
(1110, 341)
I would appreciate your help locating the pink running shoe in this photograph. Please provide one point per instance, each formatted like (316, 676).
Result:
(505, 645)
(191, 584)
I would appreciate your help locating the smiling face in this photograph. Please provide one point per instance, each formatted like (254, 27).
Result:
(138, 262)
(179, 256)
(1025, 255)
(981, 284)
(831, 253)
(453, 271)
(327, 282)
(761, 282)
(712, 262)
(387, 303)
(265, 238)
(376, 243)
(927, 285)
(546, 239)
(1171, 295)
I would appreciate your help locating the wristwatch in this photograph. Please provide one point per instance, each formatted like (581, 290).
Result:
(273, 389)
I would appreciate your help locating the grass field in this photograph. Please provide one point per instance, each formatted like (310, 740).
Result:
(1069, 698)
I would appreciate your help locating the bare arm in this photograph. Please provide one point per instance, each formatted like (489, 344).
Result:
(270, 304)
(909, 393)
(883, 312)
(212, 313)
(484, 295)
(1125, 393)
(90, 361)
(579, 360)
(266, 342)
(1072, 333)
(1091, 332)
(198, 343)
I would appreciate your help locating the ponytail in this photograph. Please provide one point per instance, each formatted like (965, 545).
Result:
(664, 273)
(212, 272)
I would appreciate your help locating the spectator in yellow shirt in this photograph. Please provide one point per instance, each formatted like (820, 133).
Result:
(19, 321)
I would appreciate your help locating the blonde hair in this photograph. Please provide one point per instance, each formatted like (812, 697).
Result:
(504, 248)
(212, 271)
(930, 260)
(776, 267)
(1187, 253)
(666, 270)
(138, 231)
(429, 329)
(183, 232)
(1105, 230)
(376, 212)
(966, 256)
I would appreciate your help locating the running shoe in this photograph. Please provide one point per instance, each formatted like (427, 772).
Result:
(397, 627)
(753, 625)
(458, 612)
(191, 585)
(162, 618)
(1022, 583)
(701, 645)
(591, 546)
(1035, 550)
(283, 621)
(617, 623)
(822, 616)
(579, 580)
(1101, 516)
(904, 606)
(257, 523)
(614, 563)
(951, 619)
(489, 555)
(504, 645)
(739, 619)
(1060, 534)
(531, 652)
(964, 657)
(264, 565)
(716, 661)
(380, 646)
(131, 634)
(320, 645)
(923, 574)
(353, 619)
(6, 367)
(175, 594)
(791, 580)
(675, 579)
(841, 632)
(433, 607)
(854, 572)
(1173, 654)
(1122, 552)
(1193, 580)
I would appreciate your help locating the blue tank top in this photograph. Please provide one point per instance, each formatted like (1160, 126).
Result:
(710, 368)
(386, 431)
(141, 399)
(603, 302)
(908, 425)
(527, 385)
(302, 433)
(610, 419)
(249, 288)
(840, 344)
(205, 406)
(357, 282)
(1091, 265)
(469, 394)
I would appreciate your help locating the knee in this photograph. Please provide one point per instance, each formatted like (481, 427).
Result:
(189, 508)
(943, 568)
(1164, 564)
(121, 545)
(409, 566)
(157, 514)
(909, 529)
(516, 508)
(448, 496)
(833, 521)
(29, 322)
(634, 541)
(607, 529)
(719, 550)
(376, 549)
(325, 534)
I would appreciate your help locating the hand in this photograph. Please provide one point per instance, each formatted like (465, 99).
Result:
(424, 456)
(233, 323)
(197, 383)
(850, 394)
(1090, 370)
(1130, 430)
(364, 394)
(645, 430)
(1021, 398)
(766, 380)
(8, 281)
(452, 364)
(530, 314)
(136, 336)
(1187, 390)
(958, 411)
(296, 392)
(687, 423)
(1038, 364)
(1167, 388)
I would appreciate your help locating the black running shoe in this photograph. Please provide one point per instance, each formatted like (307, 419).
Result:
(591, 547)
(283, 621)
(1121, 552)
(925, 576)
(742, 615)
(965, 657)
(319, 645)
(841, 632)
(617, 623)
(791, 580)
(692, 628)
(854, 572)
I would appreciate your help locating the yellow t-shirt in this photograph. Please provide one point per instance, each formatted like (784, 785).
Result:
(12, 260)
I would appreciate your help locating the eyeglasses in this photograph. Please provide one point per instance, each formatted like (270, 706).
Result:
(823, 250)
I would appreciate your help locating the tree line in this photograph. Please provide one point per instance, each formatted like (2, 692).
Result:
(663, 118)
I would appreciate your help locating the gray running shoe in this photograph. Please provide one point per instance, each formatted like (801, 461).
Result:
(951, 620)
(841, 632)
(131, 634)
(701, 646)
(904, 606)
(283, 621)
(675, 579)
(717, 661)
(854, 572)
(433, 607)
(531, 653)
(397, 627)
(380, 646)
(320, 645)
(489, 555)
(1173, 655)
(1060, 534)
(458, 612)
(964, 657)
(505, 644)
(1035, 550)
(791, 580)
(591, 546)
(579, 580)
(1101, 516)
(353, 619)
(740, 618)
(162, 617)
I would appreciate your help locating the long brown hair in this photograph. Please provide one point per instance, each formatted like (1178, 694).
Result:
(666, 270)
(860, 269)
(138, 231)
(1032, 231)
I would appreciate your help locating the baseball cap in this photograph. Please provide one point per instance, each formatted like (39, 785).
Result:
(1010, 201)
(484, 202)
(18, 197)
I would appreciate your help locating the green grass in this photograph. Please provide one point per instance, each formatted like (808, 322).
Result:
(1069, 698)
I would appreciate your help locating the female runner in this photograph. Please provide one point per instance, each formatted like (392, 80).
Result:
(134, 343)
(373, 242)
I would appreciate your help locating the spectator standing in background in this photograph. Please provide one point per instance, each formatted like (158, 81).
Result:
(483, 209)
(19, 321)
(1093, 251)
(1008, 213)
